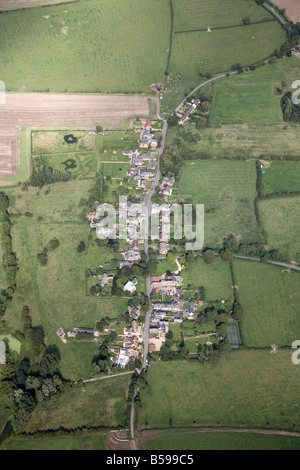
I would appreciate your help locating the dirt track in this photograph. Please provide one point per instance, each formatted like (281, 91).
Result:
(292, 8)
(54, 110)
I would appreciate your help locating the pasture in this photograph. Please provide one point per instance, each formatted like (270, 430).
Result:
(215, 278)
(241, 140)
(249, 388)
(227, 189)
(218, 440)
(95, 441)
(96, 52)
(103, 403)
(281, 222)
(280, 177)
(270, 299)
(56, 293)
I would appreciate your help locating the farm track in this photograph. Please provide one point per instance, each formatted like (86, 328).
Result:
(41, 110)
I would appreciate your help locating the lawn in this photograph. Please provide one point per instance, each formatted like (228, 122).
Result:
(281, 176)
(221, 441)
(281, 222)
(115, 170)
(227, 189)
(14, 343)
(56, 293)
(101, 403)
(270, 298)
(215, 278)
(251, 388)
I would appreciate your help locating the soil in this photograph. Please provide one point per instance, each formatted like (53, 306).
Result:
(292, 8)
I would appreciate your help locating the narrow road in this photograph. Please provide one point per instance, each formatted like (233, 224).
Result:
(148, 280)
(282, 20)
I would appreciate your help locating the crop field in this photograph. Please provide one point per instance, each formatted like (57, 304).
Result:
(102, 404)
(227, 189)
(280, 177)
(291, 8)
(246, 140)
(270, 299)
(215, 52)
(215, 278)
(70, 112)
(281, 222)
(201, 440)
(249, 388)
(56, 293)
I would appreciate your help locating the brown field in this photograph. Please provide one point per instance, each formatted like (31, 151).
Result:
(292, 8)
(41, 110)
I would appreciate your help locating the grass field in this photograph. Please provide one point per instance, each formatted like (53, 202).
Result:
(281, 222)
(97, 52)
(95, 48)
(56, 293)
(215, 52)
(270, 299)
(96, 442)
(14, 343)
(227, 189)
(221, 441)
(251, 388)
(215, 278)
(198, 14)
(236, 104)
(281, 176)
(103, 403)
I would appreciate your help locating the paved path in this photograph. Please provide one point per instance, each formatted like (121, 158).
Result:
(276, 263)
(108, 376)
(282, 20)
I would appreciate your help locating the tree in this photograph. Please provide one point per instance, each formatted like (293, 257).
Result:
(231, 243)
(171, 258)
(201, 123)
(173, 120)
(205, 106)
(81, 247)
(190, 257)
(246, 20)
(99, 129)
(226, 255)
(209, 257)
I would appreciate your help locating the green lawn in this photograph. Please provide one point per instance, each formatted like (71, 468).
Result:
(215, 278)
(281, 222)
(270, 298)
(251, 388)
(103, 403)
(227, 189)
(14, 343)
(221, 441)
(281, 176)
(115, 170)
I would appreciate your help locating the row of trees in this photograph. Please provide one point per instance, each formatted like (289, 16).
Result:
(42, 175)
(9, 258)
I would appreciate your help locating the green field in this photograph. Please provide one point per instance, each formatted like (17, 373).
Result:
(198, 14)
(194, 440)
(227, 189)
(215, 278)
(250, 388)
(102, 403)
(281, 176)
(97, 52)
(56, 293)
(281, 222)
(115, 170)
(96, 442)
(14, 343)
(217, 51)
(270, 299)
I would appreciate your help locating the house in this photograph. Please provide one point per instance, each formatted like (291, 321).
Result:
(167, 306)
(130, 286)
(178, 318)
(134, 313)
(151, 347)
(132, 254)
(163, 248)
